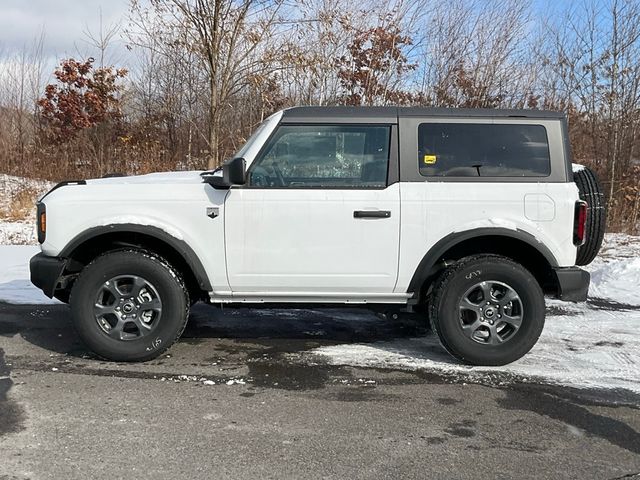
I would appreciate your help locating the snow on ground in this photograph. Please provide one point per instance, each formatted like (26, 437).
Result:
(11, 186)
(586, 345)
(15, 286)
(17, 208)
(18, 233)
(615, 273)
(580, 346)
(592, 345)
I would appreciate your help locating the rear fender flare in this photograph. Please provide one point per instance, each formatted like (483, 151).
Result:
(436, 254)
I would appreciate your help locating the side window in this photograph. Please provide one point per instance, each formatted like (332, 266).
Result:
(483, 150)
(299, 156)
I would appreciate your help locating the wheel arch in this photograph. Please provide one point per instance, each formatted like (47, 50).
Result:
(92, 242)
(518, 245)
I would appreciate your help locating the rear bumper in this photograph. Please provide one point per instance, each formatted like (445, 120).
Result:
(46, 272)
(573, 284)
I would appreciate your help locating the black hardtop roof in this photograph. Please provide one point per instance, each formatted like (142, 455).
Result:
(380, 113)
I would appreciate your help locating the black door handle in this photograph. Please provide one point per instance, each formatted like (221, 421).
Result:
(371, 214)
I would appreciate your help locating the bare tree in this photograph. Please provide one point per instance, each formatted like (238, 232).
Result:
(102, 40)
(21, 82)
(593, 61)
(478, 54)
(228, 37)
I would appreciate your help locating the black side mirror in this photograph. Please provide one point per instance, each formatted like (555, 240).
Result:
(234, 171)
(216, 181)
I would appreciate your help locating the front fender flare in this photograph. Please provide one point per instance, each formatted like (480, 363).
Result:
(180, 246)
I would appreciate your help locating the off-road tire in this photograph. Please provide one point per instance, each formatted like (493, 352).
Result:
(448, 291)
(170, 288)
(591, 192)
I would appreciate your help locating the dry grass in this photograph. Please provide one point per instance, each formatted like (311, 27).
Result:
(18, 196)
(21, 205)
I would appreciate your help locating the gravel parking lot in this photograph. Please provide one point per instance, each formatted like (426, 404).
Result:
(246, 394)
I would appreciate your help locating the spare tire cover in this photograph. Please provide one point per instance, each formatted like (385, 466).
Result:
(591, 192)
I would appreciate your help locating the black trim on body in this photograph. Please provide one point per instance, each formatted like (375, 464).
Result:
(180, 246)
(371, 214)
(393, 169)
(345, 114)
(573, 284)
(64, 184)
(339, 115)
(435, 255)
(568, 155)
(46, 271)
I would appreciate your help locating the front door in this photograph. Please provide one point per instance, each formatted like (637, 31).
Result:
(317, 214)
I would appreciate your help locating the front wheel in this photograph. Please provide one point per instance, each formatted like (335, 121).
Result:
(129, 305)
(487, 310)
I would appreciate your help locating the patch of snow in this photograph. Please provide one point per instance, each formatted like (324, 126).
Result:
(15, 286)
(617, 280)
(182, 177)
(235, 381)
(501, 222)
(143, 221)
(11, 186)
(17, 225)
(615, 273)
(490, 222)
(576, 167)
(18, 233)
(585, 348)
(581, 345)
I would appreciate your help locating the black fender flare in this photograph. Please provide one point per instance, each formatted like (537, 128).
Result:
(436, 253)
(180, 246)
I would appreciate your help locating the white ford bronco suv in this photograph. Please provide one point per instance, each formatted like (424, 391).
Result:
(467, 217)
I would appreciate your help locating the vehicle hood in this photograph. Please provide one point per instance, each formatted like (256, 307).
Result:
(189, 177)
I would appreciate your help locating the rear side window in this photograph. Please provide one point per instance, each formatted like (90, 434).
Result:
(483, 150)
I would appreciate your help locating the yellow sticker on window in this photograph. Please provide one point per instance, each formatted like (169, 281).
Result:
(430, 159)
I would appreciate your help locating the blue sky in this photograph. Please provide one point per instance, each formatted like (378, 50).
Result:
(63, 22)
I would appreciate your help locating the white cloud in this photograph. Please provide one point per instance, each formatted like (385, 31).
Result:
(63, 23)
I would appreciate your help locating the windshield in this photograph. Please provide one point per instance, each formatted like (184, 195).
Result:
(259, 137)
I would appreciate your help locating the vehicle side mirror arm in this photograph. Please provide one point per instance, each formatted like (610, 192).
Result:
(216, 181)
(233, 173)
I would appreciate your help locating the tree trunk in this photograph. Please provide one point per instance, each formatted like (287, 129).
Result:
(214, 125)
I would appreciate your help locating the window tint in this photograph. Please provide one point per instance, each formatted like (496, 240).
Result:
(483, 150)
(324, 156)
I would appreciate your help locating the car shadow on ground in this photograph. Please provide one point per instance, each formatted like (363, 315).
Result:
(282, 329)
(277, 329)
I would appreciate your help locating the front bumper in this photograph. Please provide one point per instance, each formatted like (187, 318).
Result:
(46, 272)
(573, 284)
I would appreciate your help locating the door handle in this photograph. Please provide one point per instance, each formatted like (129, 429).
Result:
(371, 214)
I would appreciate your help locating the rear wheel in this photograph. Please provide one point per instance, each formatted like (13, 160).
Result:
(487, 310)
(129, 305)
